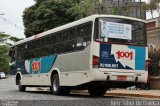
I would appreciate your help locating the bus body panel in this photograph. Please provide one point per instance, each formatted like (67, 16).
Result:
(36, 79)
(112, 65)
(97, 75)
(74, 67)
(122, 57)
(35, 71)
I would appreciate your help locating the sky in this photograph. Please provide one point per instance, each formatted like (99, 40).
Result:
(11, 22)
(11, 12)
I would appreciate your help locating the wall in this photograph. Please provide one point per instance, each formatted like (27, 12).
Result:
(153, 33)
(155, 82)
(153, 36)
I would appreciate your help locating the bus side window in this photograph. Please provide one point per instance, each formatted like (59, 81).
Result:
(79, 43)
(69, 36)
(87, 34)
(12, 54)
(54, 39)
(83, 36)
(16, 53)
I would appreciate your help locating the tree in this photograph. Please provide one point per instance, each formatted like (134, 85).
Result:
(115, 10)
(47, 14)
(4, 66)
(14, 39)
(4, 49)
(4, 59)
(151, 7)
(3, 38)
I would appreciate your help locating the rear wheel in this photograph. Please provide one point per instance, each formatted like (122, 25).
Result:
(97, 90)
(21, 87)
(56, 88)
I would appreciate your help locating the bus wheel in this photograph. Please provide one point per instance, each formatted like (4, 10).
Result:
(21, 87)
(97, 90)
(56, 88)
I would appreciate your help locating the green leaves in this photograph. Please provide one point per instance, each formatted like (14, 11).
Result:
(151, 7)
(4, 65)
(4, 52)
(4, 48)
(48, 14)
(3, 38)
(14, 39)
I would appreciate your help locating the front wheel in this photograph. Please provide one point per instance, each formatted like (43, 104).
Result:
(97, 90)
(21, 87)
(56, 88)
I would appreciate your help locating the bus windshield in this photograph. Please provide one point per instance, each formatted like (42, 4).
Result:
(121, 31)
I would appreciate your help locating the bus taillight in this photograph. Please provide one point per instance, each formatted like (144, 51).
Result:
(95, 61)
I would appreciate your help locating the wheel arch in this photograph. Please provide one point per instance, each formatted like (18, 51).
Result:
(54, 71)
(18, 77)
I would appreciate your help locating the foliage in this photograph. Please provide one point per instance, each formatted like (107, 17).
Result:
(47, 14)
(158, 5)
(4, 59)
(115, 10)
(3, 38)
(4, 66)
(14, 39)
(4, 48)
(151, 7)
(154, 55)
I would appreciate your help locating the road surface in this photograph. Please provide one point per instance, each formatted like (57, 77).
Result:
(10, 96)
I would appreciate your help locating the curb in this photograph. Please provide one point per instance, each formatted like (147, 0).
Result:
(111, 94)
(133, 95)
(122, 94)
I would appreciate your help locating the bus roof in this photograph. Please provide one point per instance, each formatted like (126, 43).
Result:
(80, 21)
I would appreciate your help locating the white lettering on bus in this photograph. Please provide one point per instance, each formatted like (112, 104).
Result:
(109, 65)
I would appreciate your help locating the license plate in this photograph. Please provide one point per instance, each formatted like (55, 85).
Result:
(121, 78)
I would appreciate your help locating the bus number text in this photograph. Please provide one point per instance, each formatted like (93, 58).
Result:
(36, 66)
(121, 54)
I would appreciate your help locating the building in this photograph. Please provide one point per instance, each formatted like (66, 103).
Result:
(157, 1)
(129, 8)
(153, 33)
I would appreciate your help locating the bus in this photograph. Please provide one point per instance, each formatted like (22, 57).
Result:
(94, 53)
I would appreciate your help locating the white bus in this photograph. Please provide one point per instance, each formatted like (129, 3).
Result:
(94, 53)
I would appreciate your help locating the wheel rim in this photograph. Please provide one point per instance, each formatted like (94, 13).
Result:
(55, 84)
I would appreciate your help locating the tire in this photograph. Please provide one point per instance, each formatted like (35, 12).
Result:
(56, 88)
(97, 90)
(50, 88)
(21, 87)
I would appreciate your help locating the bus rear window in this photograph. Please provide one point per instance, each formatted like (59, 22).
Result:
(121, 31)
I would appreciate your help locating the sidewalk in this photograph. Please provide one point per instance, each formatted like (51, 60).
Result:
(135, 93)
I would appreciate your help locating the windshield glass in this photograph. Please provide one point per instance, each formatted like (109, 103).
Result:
(122, 31)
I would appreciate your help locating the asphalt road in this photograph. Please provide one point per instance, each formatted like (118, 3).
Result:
(10, 96)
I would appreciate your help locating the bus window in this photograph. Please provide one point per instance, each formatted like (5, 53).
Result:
(12, 54)
(54, 39)
(69, 46)
(46, 41)
(36, 43)
(121, 31)
(83, 36)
